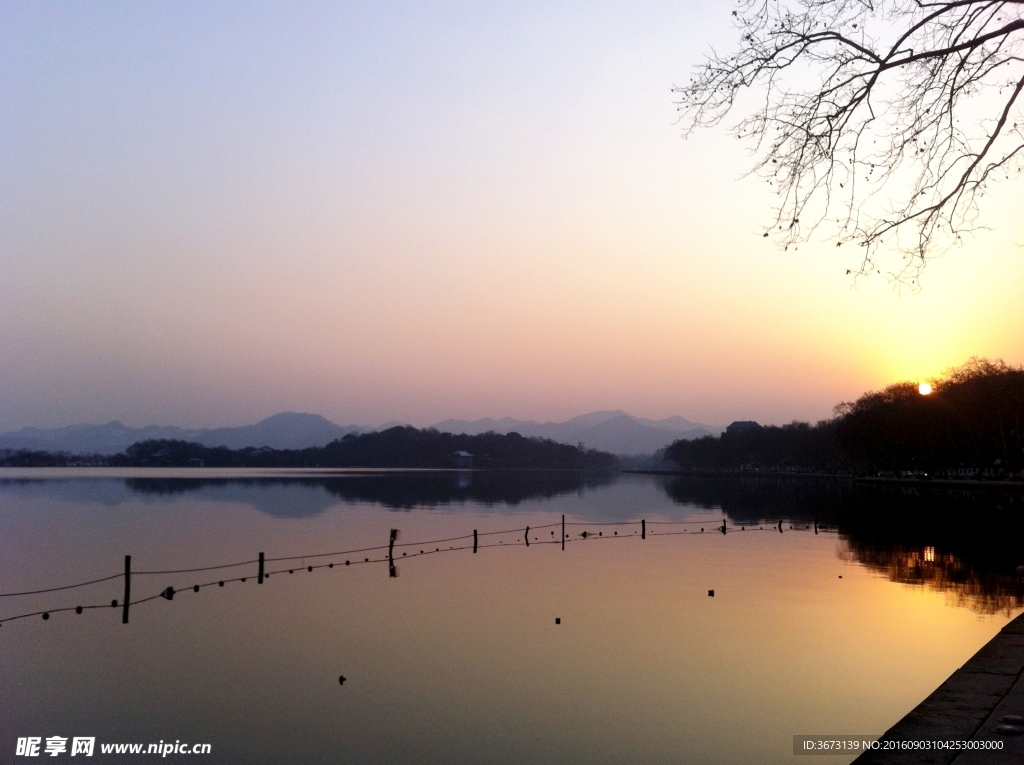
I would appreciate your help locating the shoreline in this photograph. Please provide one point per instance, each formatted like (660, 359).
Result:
(982, 701)
(943, 483)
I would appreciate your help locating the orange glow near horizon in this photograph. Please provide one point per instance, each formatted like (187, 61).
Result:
(539, 243)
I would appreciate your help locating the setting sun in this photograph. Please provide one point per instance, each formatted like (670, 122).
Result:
(924, 389)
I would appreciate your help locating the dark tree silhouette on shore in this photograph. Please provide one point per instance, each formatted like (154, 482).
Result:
(398, 447)
(974, 418)
(850, 97)
(971, 424)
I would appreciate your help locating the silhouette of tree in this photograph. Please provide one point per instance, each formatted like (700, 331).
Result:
(971, 425)
(398, 447)
(921, 98)
(973, 418)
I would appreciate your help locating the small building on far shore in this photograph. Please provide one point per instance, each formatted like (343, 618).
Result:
(742, 426)
(461, 459)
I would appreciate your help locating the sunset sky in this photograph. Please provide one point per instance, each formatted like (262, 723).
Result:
(210, 213)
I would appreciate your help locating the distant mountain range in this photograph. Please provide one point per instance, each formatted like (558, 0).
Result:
(616, 432)
(287, 430)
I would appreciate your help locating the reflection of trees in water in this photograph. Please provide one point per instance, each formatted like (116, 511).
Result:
(409, 490)
(306, 495)
(752, 499)
(985, 592)
(973, 536)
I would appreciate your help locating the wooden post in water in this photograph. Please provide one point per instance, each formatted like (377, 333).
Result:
(259, 577)
(474, 541)
(526, 536)
(563, 531)
(392, 571)
(723, 525)
(643, 528)
(127, 587)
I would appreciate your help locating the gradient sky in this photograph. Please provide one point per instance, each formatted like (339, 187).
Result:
(213, 212)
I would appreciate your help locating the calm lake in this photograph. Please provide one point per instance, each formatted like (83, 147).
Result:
(610, 650)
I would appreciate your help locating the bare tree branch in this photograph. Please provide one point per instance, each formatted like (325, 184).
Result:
(883, 120)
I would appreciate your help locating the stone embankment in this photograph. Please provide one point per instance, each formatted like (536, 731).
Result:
(981, 701)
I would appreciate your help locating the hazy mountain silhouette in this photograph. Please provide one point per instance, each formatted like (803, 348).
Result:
(287, 430)
(109, 438)
(616, 431)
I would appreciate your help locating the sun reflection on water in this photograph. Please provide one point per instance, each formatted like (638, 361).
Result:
(964, 586)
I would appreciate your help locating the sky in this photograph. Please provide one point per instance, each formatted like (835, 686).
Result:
(212, 212)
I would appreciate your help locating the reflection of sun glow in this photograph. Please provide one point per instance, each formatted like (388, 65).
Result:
(981, 591)
(924, 389)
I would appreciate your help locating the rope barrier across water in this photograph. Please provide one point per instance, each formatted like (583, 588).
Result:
(58, 589)
(586, 536)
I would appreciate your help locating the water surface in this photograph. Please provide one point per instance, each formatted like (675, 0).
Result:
(459, 658)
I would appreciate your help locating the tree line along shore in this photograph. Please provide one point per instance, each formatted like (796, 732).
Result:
(397, 447)
(970, 425)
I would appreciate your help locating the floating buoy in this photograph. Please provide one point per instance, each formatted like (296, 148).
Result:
(341, 680)
(711, 593)
(557, 620)
(196, 588)
(113, 604)
(220, 584)
(46, 616)
(78, 610)
(310, 568)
